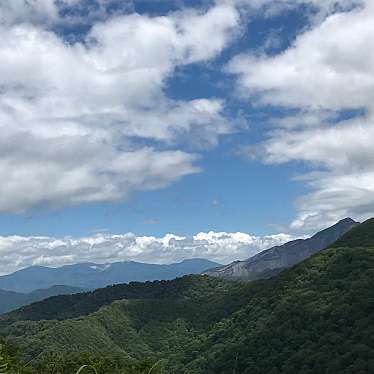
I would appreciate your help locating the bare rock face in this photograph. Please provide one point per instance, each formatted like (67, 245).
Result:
(280, 257)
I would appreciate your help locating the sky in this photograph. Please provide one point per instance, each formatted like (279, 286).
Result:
(162, 130)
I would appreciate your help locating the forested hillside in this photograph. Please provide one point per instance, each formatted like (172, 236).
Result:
(71, 306)
(317, 317)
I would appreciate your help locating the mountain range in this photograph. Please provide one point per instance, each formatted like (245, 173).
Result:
(37, 283)
(315, 317)
(276, 259)
(92, 276)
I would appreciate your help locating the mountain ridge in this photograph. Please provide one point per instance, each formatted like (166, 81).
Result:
(278, 258)
(92, 276)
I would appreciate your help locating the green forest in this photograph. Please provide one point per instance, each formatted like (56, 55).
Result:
(315, 318)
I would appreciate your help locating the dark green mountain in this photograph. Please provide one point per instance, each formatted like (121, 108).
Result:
(10, 300)
(82, 304)
(315, 318)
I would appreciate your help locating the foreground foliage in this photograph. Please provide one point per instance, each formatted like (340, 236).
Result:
(72, 364)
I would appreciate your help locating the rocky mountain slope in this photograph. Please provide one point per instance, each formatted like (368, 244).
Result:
(273, 260)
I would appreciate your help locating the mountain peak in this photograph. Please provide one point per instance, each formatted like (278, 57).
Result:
(196, 260)
(360, 236)
(334, 232)
(347, 219)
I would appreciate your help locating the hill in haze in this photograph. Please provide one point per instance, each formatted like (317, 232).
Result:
(10, 300)
(92, 276)
(276, 259)
(316, 317)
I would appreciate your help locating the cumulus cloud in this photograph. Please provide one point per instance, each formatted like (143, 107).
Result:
(327, 73)
(18, 252)
(328, 67)
(72, 171)
(89, 120)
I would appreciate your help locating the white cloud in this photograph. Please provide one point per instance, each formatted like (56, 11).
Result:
(344, 182)
(70, 171)
(329, 69)
(74, 118)
(18, 252)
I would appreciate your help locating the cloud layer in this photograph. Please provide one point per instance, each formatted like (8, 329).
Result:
(18, 252)
(326, 78)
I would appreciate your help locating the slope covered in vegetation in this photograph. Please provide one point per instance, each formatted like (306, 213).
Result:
(72, 306)
(315, 318)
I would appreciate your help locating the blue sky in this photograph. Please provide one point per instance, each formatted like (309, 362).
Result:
(157, 117)
(230, 195)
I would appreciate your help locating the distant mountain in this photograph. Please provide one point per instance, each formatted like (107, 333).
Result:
(10, 300)
(92, 276)
(270, 262)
